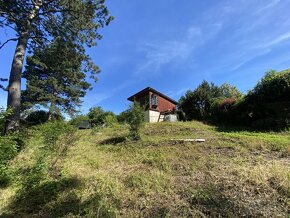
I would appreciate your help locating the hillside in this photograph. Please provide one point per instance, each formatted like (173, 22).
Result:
(234, 173)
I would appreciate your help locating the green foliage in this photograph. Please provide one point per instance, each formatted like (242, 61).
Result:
(135, 120)
(223, 110)
(181, 115)
(37, 117)
(197, 104)
(78, 119)
(267, 106)
(123, 117)
(110, 120)
(3, 115)
(58, 34)
(8, 150)
(273, 87)
(55, 78)
(52, 132)
(229, 91)
(99, 117)
(9, 146)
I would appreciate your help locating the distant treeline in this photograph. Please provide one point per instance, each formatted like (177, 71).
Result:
(267, 106)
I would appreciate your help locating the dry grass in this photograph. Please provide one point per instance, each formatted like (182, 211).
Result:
(232, 174)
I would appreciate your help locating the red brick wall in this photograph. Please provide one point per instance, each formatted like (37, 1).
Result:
(164, 104)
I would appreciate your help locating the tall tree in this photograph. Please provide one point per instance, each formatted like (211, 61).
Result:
(197, 104)
(229, 91)
(36, 23)
(55, 78)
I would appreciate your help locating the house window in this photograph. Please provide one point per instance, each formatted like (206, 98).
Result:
(154, 101)
(144, 102)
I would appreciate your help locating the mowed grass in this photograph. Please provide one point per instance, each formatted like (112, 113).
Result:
(233, 173)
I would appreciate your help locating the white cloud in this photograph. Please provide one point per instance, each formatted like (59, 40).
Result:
(249, 57)
(275, 41)
(160, 53)
(177, 93)
(267, 6)
(94, 98)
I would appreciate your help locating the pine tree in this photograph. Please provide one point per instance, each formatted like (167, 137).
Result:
(38, 22)
(55, 78)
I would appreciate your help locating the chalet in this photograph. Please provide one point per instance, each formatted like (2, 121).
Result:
(157, 106)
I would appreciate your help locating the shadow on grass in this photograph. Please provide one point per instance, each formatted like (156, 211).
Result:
(114, 140)
(32, 201)
(231, 129)
(212, 202)
(57, 199)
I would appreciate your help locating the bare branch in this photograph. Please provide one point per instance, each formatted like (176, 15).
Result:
(1, 86)
(14, 39)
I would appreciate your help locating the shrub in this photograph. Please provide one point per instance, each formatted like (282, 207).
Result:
(222, 110)
(8, 150)
(268, 104)
(52, 132)
(110, 120)
(199, 104)
(37, 117)
(123, 117)
(3, 115)
(2, 120)
(98, 116)
(79, 119)
(135, 120)
(181, 115)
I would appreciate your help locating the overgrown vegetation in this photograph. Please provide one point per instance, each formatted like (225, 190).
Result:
(99, 117)
(61, 172)
(267, 106)
(135, 120)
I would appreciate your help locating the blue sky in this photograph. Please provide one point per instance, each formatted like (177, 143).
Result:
(172, 45)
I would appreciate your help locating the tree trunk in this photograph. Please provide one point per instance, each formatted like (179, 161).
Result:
(14, 87)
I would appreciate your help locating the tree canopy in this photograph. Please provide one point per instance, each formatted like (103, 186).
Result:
(55, 78)
(198, 104)
(37, 23)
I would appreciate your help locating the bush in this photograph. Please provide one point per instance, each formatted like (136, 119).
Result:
(2, 121)
(37, 117)
(181, 115)
(268, 105)
(52, 132)
(79, 119)
(3, 115)
(8, 150)
(123, 117)
(199, 104)
(110, 120)
(135, 120)
(98, 116)
(222, 111)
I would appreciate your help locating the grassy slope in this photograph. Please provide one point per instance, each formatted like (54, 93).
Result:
(234, 173)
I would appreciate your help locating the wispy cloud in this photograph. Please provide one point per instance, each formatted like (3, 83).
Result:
(249, 57)
(275, 41)
(159, 53)
(177, 93)
(271, 4)
(94, 98)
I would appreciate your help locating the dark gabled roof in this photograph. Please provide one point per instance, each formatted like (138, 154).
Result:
(131, 98)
